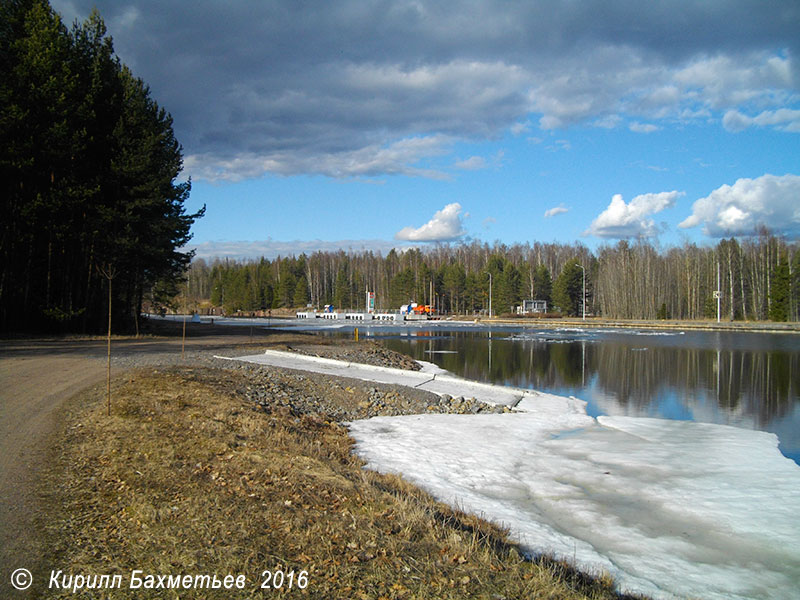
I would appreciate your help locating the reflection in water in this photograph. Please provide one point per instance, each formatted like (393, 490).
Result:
(747, 380)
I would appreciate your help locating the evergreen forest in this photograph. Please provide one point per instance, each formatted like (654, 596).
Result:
(757, 278)
(93, 211)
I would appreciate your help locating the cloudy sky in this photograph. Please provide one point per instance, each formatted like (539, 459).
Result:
(373, 124)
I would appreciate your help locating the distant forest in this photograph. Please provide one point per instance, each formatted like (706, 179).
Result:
(88, 168)
(758, 279)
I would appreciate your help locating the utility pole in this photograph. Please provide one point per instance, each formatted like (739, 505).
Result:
(108, 271)
(490, 294)
(718, 293)
(584, 291)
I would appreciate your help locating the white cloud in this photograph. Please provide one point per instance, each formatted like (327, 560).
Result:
(446, 225)
(476, 163)
(725, 80)
(559, 145)
(622, 220)
(608, 122)
(738, 209)
(556, 210)
(271, 249)
(520, 128)
(613, 80)
(473, 163)
(637, 127)
(398, 158)
(736, 121)
(784, 119)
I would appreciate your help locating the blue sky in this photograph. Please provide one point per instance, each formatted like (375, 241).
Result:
(371, 124)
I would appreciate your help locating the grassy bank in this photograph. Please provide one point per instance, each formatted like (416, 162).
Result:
(188, 476)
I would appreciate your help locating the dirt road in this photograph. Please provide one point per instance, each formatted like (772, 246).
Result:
(37, 377)
(33, 389)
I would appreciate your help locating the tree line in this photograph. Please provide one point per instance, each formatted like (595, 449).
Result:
(757, 278)
(88, 172)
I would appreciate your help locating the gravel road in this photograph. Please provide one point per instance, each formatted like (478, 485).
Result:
(37, 378)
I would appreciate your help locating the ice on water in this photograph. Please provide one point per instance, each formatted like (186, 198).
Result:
(669, 508)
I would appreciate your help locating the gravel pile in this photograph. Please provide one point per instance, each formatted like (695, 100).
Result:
(367, 353)
(340, 399)
(335, 399)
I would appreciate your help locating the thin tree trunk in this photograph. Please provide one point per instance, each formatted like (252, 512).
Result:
(108, 366)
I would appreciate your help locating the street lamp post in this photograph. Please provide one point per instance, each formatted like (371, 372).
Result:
(584, 291)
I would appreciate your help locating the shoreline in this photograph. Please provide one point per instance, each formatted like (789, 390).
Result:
(285, 398)
(405, 545)
(531, 322)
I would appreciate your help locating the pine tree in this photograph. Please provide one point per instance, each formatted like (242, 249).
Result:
(473, 293)
(286, 284)
(662, 313)
(796, 286)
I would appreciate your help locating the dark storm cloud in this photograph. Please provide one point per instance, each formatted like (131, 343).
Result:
(369, 88)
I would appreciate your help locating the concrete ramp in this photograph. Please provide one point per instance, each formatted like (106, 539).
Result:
(432, 382)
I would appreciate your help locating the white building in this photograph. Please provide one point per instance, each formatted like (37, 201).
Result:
(532, 307)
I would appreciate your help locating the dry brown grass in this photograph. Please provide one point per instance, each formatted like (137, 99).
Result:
(184, 478)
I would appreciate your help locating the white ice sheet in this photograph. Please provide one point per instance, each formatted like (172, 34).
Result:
(669, 508)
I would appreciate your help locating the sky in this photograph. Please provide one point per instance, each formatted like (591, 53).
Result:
(377, 124)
